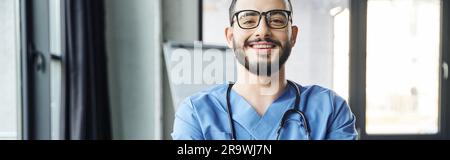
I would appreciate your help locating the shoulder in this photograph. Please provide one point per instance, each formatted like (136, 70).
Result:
(327, 101)
(323, 99)
(213, 96)
(213, 92)
(316, 91)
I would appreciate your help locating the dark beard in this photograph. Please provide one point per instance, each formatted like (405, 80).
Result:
(264, 68)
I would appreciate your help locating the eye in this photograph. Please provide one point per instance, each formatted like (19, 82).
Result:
(277, 21)
(248, 22)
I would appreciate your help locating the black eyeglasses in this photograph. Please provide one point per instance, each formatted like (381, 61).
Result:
(250, 19)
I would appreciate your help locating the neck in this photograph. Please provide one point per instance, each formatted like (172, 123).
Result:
(264, 85)
(260, 91)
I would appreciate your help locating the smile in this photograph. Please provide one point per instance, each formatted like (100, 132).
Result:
(262, 45)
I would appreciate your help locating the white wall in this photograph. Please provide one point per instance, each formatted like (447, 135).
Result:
(180, 20)
(8, 71)
(180, 24)
(311, 60)
(133, 45)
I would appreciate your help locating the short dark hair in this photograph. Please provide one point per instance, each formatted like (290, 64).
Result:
(233, 7)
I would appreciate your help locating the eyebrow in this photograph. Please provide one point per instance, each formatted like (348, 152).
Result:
(250, 14)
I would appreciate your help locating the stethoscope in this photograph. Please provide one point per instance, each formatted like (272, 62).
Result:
(294, 110)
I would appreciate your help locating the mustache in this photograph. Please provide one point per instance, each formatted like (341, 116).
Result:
(278, 43)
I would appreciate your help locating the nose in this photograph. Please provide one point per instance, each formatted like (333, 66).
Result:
(263, 30)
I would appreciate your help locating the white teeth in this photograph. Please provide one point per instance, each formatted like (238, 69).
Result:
(262, 46)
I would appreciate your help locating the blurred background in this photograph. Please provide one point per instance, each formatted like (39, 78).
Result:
(109, 69)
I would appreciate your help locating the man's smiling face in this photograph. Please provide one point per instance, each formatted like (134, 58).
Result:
(263, 46)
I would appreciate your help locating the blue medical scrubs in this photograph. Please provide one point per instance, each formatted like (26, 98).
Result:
(204, 116)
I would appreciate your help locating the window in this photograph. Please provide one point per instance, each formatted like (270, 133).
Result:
(55, 68)
(341, 55)
(403, 52)
(9, 71)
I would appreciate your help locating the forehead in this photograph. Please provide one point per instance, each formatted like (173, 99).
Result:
(261, 5)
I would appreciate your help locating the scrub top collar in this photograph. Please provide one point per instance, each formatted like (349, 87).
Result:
(258, 126)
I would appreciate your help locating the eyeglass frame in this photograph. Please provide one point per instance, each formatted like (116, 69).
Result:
(235, 15)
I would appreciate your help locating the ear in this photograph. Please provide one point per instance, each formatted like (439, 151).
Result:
(294, 33)
(229, 36)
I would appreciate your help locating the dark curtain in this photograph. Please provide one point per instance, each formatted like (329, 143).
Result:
(87, 112)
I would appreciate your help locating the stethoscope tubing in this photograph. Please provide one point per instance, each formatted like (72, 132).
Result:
(293, 110)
